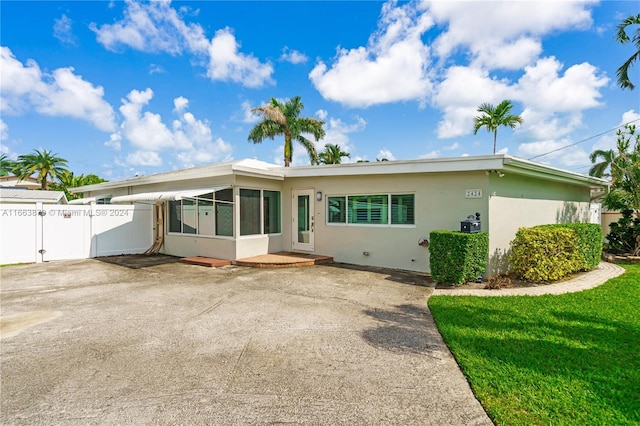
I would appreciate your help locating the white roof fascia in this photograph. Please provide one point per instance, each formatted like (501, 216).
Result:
(165, 195)
(89, 200)
(437, 165)
(529, 168)
(251, 167)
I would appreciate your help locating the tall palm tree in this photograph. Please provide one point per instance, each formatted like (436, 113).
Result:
(493, 117)
(602, 168)
(332, 154)
(6, 165)
(283, 119)
(621, 36)
(44, 164)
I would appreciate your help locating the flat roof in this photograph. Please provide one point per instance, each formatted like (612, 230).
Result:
(251, 167)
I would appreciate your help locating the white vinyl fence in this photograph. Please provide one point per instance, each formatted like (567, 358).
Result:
(40, 233)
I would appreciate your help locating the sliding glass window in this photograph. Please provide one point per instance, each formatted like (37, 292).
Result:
(377, 209)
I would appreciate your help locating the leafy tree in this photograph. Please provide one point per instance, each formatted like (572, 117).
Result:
(70, 180)
(6, 165)
(45, 164)
(492, 117)
(621, 36)
(332, 154)
(624, 195)
(283, 119)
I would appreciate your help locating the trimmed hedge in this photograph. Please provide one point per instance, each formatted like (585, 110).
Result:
(458, 257)
(551, 252)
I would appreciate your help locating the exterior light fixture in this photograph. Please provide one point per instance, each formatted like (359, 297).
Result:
(319, 195)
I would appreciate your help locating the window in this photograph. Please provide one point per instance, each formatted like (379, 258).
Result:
(402, 209)
(271, 212)
(260, 212)
(249, 211)
(379, 209)
(337, 210)
(207, 214)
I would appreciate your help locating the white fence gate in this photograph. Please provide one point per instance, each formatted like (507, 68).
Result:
(40, 233)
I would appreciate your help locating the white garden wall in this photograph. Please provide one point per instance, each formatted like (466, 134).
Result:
(37, 233)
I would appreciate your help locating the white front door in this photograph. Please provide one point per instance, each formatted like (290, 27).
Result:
(303, 217)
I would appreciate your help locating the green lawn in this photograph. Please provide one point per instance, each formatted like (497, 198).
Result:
(550, 360)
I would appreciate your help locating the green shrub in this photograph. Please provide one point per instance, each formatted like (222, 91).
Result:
(624, 234)
(545, 253)
(458, 257)
(589, 243)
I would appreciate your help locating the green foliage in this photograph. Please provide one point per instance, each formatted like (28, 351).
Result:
(622, 37)
(6, 165)
(624, 235)
(493, 117)
(570, 359)
(588, 244)
(283, 119)
(458, 257)
(45, 164)
(68, 180)
(545, 253)
(332, 154)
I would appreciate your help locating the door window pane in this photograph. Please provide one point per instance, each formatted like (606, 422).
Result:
(303, 219)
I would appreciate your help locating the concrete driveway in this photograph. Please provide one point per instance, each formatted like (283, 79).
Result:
(91, 342)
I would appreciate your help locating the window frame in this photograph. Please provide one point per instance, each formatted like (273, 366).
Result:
(261, 209)
(196, 201)
(389, 214)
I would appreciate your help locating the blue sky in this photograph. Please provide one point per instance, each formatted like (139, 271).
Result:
(125, 88)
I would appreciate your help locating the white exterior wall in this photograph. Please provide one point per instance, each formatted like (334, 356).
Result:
(507, 215)
(440, 203)
(72, 232)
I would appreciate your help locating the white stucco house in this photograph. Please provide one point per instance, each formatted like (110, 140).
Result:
(360, 213)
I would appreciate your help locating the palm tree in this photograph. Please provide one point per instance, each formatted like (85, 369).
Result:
(494, 117)
(43, 163)
(6, 165)
(283, 119)
(603, 168)
(332, 154)
(621, 36)
(68, 180)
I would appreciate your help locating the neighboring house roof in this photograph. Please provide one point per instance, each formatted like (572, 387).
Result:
(13, 195)
(489, 163)
(15, 182)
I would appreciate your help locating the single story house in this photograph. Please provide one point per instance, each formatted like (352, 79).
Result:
(16, 182)
(23, 195)
(378, 213)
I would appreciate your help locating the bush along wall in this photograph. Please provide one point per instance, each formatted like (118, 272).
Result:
(550, 252)
(458, 257)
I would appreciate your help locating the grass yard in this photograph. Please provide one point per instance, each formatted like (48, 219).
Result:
(550, 360)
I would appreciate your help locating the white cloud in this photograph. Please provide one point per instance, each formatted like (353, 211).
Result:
(226, 63)
(144, 158)
(451, 147)
(62, 30)
(392, 68)
(544, 89)
(61, 93)
(156, 27)
(609, 141)
(180, 104)
(115, 141)
(385, 154)
(337, 133)
(506, 34)
(293, 56)
(4, 130)
(433, 154)
(190, 139)
(569, 157)
(247, 115)
(156, 69)
(151, 27)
